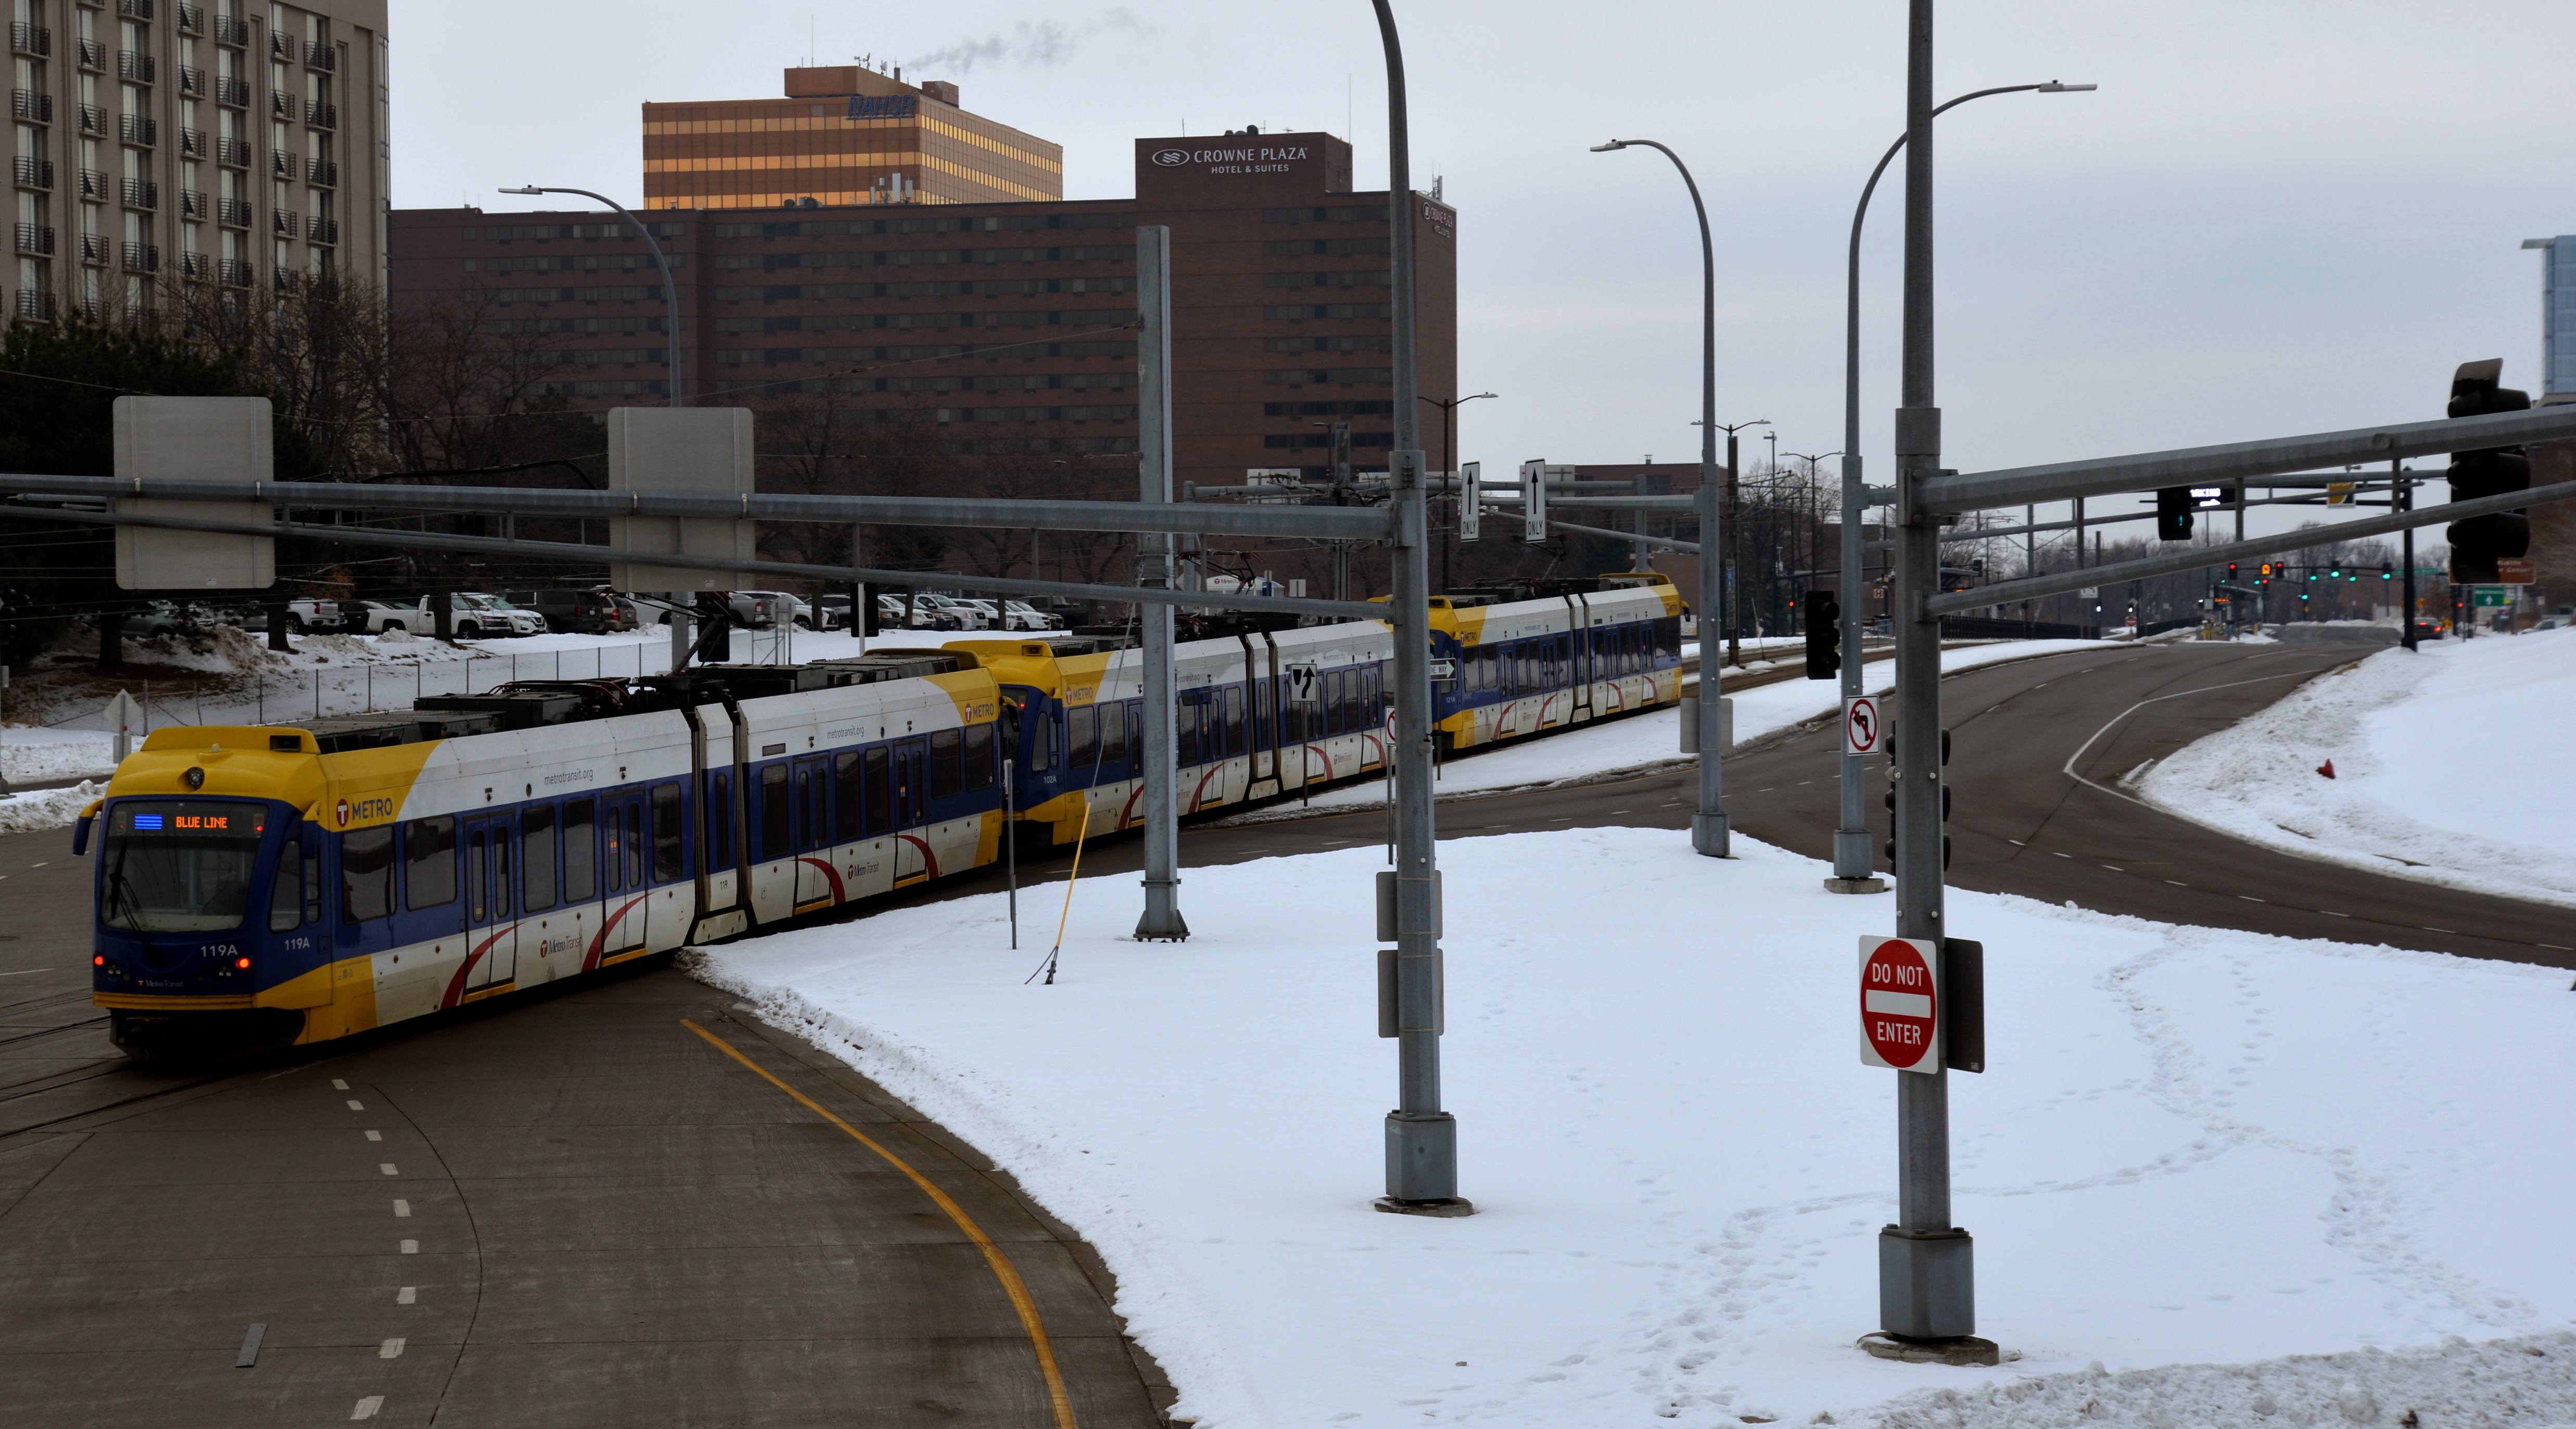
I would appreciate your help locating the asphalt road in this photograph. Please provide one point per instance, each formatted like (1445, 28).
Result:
(564, 1210)
(615, 1222)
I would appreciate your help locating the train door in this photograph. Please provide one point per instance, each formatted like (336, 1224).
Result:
(491, 894)
(911, 809)
(1261, 668)
(621, 872)
(1579, 662)
(813, 833)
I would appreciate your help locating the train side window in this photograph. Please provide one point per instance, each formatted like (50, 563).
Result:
(979, 757)
(717, 841)
(1234, 719)
(286, 895)
(669, 824)
(537, 843)
(1082, 736)
(880, 792)
(947, 767)
(1136, 729)
(501, 904)
(777, 832)
(429, 862)
(845, 793)
(580, 851)
(367, 874)
(1041, 731)
(1113, 733)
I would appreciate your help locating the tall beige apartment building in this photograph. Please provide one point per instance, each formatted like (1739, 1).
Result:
(230, 143)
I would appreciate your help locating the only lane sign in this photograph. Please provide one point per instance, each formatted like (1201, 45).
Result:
(1900, 1004)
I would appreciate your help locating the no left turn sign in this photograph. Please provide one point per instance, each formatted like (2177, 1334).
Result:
(1864, 725)
(1900, 1004)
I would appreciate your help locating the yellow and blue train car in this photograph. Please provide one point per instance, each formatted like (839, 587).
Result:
(282, 885)
(1273, 712)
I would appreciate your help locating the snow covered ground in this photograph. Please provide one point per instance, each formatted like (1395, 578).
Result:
(2451, 765)
(29, 755)
(1645, 740)
(48, 808)
(2198, 1153)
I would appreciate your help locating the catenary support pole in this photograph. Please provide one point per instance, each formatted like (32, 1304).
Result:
(1162, 917)
(1421, 1139)
(1926, 1275)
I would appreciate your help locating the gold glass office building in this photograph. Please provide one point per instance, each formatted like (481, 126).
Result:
(843, 135)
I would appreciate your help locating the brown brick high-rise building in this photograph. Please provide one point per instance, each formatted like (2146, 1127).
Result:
(1006, 327)
(843, 135)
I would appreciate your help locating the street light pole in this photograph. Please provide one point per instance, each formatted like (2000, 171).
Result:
(1449, 451)
(1421, 1139)
(1852, 861)
(670, 290)
(1708, 825)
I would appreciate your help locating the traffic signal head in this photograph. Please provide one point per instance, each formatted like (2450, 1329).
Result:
(2481, 541)
(2173, 513)
(870, 618)
(1824, 617)
(2231, 570)
(2387, 572)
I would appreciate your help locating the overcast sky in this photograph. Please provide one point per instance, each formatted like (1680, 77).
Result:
(2273, 217)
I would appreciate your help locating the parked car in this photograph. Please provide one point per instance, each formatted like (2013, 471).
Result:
(156, 618)
(766, 608)
(583, 612)
(967, 615)
(474, 615)
(1024, 616)
(375, 617)
(832, 612)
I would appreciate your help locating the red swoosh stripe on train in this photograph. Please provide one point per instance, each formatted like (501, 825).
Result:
(590, 959)
(830, 873)
(456, 984)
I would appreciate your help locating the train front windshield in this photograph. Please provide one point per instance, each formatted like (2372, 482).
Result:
(179, 865)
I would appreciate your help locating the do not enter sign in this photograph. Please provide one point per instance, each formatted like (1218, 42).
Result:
(1900, 1004)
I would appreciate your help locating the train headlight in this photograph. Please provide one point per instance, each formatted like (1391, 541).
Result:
(195, 778)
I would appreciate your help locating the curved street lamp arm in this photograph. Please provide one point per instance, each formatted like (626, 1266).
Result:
(670, 289)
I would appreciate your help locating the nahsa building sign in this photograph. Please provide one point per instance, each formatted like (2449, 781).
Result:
(1268, 160)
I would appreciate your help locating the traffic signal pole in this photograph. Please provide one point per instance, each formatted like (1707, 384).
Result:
(2404, 496)
(1926, 1266)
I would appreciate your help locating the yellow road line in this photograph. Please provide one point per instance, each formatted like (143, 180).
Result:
(1003, 1270)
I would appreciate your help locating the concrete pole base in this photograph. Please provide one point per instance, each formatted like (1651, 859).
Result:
(1871, 884)
(1957, 1350)
(1709, 835)
(1421, 1158)
(1453, 1206)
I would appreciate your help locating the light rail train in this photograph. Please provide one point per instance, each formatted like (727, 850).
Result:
(262, 886)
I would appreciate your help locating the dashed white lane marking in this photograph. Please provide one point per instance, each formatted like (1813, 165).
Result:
(411, 1247)
(388, 1168)
(27, 972)
(39, 865)
(391, 1349)
(2016, 843)
(1803, 783)
(2248, 897)
(406, 1295)
(2055, 854)
(402, 1208)
(338, 1085)
(2329, 912)
(356, 1105)
(2561, 947)
(2115, 868)
(375, 1136)
(2178, 883)
(2431, 929)
(367, 1407)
